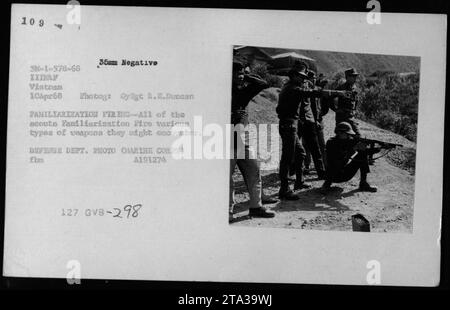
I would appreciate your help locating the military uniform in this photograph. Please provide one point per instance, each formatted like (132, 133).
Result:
(289, 101)
(346, 106)
(344, 159)
(241, 96)
(247, 164)
(296, 118)
(322, 110)
(307, 129)
(340, 168)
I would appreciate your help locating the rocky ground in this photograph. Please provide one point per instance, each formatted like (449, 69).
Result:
(388, 210)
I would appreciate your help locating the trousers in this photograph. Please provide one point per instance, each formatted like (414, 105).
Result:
(346, 173)
(250, 170)
(291, 151)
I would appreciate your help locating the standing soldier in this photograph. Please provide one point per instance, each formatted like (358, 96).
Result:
(289, 100)
(244, 88)
(307, 127)
(307, 161)
(323, 106)
(294, 104)
(346, 106)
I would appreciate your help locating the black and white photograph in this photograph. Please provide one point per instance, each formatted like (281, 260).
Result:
(212, 145)
(347, 125)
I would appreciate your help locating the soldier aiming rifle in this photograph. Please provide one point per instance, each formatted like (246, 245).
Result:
(294, 106)
(371, 143)
(347, 153)
(320, 107)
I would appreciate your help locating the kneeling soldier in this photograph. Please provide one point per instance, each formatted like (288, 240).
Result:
(293, 105)
(345, 156)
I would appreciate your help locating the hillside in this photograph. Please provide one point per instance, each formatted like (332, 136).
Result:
(388, 210)
(329, 63)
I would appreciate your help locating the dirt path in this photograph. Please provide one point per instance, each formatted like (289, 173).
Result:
(388, 210)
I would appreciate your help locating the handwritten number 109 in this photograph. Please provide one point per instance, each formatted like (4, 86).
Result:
(31, 22)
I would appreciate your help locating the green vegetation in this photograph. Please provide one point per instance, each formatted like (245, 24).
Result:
(388, 100)
(273, 80)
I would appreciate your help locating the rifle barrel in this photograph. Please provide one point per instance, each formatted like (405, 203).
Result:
(380, 142)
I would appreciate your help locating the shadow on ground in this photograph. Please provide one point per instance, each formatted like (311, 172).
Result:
(310, 200)
(269, 180)
(314, 200)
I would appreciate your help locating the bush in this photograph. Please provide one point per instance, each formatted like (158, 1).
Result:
(271, 79)
(274, 80)
(391, 102)
(386, 120)
(404, 158)
(260, 69)
(388, 100)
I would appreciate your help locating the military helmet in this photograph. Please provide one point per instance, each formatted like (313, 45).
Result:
(345, 128)
(294, 72)
(301, 65)
(351, 72)
(299, 68)
(311, 74)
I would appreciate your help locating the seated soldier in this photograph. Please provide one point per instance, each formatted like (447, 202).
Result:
(345, 156)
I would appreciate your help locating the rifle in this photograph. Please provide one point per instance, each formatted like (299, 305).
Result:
(335, 93)
(381, 144)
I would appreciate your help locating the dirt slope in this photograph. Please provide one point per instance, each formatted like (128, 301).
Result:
(388, 210)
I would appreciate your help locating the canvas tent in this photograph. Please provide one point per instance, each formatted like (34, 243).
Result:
(251, 55)
(278, 64)
(281, 63)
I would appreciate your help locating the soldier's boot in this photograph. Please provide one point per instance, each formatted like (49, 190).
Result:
(287, 195)
(326, 186)
(230, 214)
(260, 212)
(300, 185)
(366, 187)
(291, 173)
(321, 174)
(267, 200)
